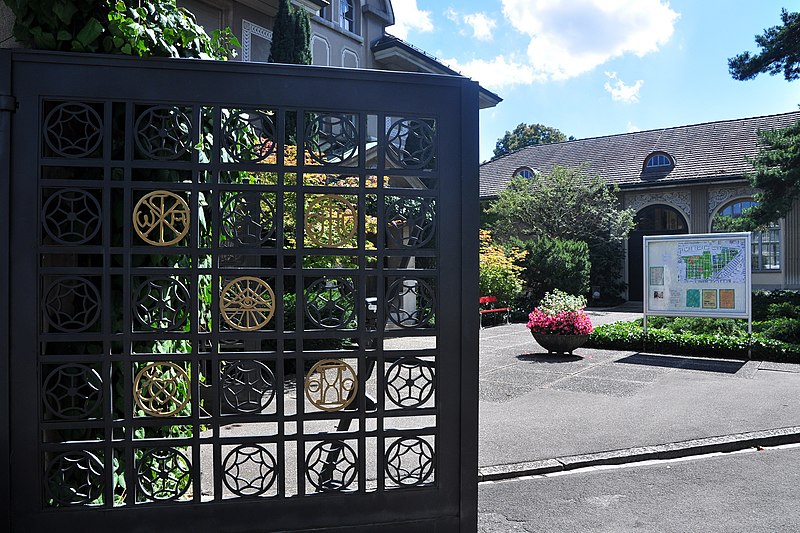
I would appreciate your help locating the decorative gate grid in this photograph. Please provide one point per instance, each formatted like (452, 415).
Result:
(238, 305)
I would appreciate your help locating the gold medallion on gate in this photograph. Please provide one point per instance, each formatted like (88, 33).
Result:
(161, 218)
(247, 303)
(331, 221)
(161, 389)
(331, 385)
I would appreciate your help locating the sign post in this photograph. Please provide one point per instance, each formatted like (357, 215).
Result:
(705, 275)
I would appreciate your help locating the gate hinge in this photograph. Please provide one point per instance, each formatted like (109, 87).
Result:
(8, 103)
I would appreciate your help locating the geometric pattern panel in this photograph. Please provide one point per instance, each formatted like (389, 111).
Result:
(223, 297)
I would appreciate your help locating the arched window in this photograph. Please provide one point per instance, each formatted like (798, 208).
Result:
(525, 172)
(766, 243)
(659, 161)
(657, 218)
(347, 15)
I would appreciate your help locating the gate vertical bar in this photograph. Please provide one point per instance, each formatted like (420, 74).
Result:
(470, 209)
(6, 108)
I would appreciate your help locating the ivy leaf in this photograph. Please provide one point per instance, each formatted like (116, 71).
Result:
(65, 11)
(42, 39)
(90, 32)
(64, 35)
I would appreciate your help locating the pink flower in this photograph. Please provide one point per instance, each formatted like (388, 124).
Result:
(564, 323)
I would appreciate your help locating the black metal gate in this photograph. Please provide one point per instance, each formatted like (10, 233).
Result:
(240, 297)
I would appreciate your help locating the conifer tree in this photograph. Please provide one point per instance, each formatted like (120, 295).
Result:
(302, 37)
(291, 35)
(283, 35)
(777, 165)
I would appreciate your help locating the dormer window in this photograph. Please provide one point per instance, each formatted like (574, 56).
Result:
(659, 161)
(525, 172)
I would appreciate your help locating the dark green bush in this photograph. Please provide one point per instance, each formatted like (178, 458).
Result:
(552, 264)
(630, 336)
(783, 310)
(763, 299)
(782, 329)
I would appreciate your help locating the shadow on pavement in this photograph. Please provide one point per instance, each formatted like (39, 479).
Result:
(682, 362)
(547, 358)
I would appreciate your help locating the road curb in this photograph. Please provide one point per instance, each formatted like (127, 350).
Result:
(721, 444)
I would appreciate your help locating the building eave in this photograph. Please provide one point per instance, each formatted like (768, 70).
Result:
(396, 54)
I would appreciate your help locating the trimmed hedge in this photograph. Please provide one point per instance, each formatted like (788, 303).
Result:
(630, 336)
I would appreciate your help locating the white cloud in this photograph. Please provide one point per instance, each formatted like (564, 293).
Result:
(633, 128)
(570, 37)
(451, 14)
(620, 92)
(408, 17)
(482, 25)
(497, 73)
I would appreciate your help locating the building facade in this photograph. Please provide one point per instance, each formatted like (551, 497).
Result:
(344, 33)
(684, 179)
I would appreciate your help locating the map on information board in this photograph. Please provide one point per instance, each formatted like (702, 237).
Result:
(697, 275)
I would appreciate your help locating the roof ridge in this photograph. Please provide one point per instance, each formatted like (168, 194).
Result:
(662, 130)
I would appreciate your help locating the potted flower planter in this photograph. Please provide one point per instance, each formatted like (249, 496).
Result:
(559, 344)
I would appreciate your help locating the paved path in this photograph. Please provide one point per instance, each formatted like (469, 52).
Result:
(752, 491)
(535, 407)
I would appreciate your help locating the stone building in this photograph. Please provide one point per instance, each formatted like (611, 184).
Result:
(677, 180)
(344, 33)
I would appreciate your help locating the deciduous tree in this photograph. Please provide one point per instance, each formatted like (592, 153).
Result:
(568, 204)
(527, 135)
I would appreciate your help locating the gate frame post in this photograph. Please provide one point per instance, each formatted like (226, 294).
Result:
(7, 107)
(470, 210)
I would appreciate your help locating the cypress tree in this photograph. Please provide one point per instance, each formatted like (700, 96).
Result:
(302, 37)
(283, 35)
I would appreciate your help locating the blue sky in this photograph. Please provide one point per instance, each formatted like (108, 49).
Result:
(599, 67)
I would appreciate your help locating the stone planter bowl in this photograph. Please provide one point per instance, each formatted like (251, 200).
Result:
(560, 344)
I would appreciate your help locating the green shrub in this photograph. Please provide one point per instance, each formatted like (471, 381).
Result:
(630, 336)
(782, 329)
(693, 324)
(763, 299)
(499, 273)
(552, 264)
(783, 310)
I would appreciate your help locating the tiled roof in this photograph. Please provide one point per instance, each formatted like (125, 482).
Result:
(713, 150)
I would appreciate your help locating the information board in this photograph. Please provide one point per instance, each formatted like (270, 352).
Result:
(697, 275)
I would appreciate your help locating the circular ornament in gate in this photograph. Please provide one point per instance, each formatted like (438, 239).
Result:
(71, 217)
(74, 478)
(247, 219)
(411, 143)
(410, 382)
(330, 302)
(161, 304)
(247, 386)
(409, 461)
(331, 385)
(72, 304)
(163, 474)
(411, 303)
(250, 470)
(163, 133)
(331, 139)
(247, 303)
(411, 222)
(73, 392)
(331, 466)
(161, 218)
(73, 129)
(161, 389)
(331, 222)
